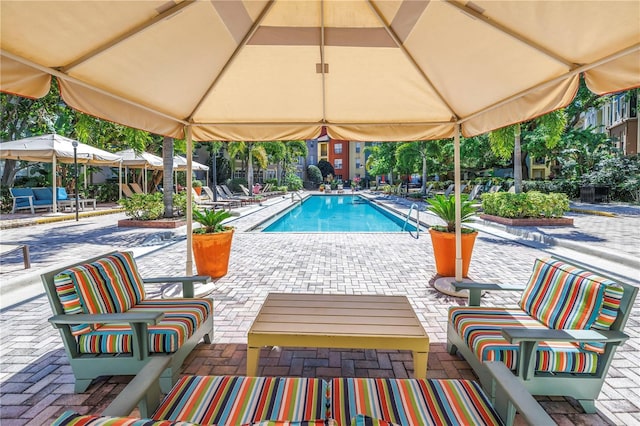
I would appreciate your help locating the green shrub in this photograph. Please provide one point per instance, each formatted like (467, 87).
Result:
(143, 206)
(314, 174)
(180, 203)
(293, 181)
(525, 204)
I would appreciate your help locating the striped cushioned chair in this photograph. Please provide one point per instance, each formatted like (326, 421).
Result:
(100, 307)
(293, 401)
(531, 338)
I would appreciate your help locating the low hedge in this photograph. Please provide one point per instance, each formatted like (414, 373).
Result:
(531, 204)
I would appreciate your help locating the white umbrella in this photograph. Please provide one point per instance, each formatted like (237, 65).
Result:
(52, 148)
(180, 164)
(140, 160)
(381, 70)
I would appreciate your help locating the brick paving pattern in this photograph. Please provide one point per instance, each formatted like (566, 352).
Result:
(36, 383)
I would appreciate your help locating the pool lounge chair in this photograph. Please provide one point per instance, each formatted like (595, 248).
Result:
(124, 188)
(224, 195)
(136, 188)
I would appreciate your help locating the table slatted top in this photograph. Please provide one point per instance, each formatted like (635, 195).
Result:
(338, 315)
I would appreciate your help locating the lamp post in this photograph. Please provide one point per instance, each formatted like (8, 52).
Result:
(215, 175)
(75, 163)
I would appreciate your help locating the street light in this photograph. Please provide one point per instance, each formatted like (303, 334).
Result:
(75, 163)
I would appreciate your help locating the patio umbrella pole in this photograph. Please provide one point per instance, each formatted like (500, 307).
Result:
(54, 184)
(189, 202)
(457, 182)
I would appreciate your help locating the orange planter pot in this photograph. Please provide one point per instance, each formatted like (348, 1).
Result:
(198, 190)
(444, 250)
(211, 253)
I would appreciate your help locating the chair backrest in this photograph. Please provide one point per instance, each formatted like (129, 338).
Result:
(447, 191)
(208, 191)
(226, 190)
(245, 190)
(126, 190)
(136, 188)
(222, 193)
(474, 192)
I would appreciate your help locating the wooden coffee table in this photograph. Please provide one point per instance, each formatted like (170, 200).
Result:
(338, 321)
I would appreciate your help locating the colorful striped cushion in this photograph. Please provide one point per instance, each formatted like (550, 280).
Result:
(412, 401)
(70, 301)
(607, 316)
(120, 273)
(182, 317)
(289, 423)
(362, 420)
(562, 296)
(480, 327)
(241, 400)
(71, 418)
(109, 285)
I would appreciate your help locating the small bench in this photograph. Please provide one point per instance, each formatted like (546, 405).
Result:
(559, 340)
(109, 326)
(268, 401)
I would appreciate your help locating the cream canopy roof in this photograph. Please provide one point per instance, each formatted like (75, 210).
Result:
(279, 70)
(381, 70)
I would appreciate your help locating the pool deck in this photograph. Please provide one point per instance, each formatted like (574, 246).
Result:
(36, 384)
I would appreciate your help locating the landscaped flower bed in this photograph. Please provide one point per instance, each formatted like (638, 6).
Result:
(526, 209)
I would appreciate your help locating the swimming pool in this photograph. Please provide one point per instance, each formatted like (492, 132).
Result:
(337, 213)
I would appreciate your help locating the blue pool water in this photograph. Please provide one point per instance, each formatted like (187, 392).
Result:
(337, 213)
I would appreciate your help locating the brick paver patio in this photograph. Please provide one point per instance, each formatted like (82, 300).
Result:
(36, 382)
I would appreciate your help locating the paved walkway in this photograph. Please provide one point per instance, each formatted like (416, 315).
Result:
(35, 378)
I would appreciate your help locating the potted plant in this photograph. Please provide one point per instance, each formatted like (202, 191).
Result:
(212, 242)
(321, 187)
(197, 186)
(443, 238)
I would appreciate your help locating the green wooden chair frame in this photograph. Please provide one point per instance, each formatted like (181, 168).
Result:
(584, 387)
(87, 367)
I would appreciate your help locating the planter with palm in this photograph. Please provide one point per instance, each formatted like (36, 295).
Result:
(212, 242)
(443, 236)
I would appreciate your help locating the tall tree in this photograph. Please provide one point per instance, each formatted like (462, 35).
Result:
(167, 181)
(415, 155)
(540, 135)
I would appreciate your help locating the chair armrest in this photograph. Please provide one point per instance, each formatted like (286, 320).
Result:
(485, 286)
(143, 389)
(511, 395)
(476, 289)
(528, 339)
(517, 335)
(187, 282)
(21, 196)
(152, 318)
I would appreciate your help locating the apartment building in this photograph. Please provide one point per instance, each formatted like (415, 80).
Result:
(619, 120)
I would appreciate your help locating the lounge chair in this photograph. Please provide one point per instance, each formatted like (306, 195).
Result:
(136, 188)
(475, 191)
(224, 195)
(108, 325)
(126, 190)
(208, 202)
(559, 340)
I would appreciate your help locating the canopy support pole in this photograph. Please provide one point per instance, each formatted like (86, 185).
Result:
(54, 175)
(457, 184)
(120, 180)
(189, 212)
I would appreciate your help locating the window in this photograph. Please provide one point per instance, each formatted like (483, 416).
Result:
(358, 164)
(323, 150)
(337, 148)
(337, 163)
(357, 147)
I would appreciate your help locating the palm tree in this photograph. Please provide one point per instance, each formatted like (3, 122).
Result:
(506, 141)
